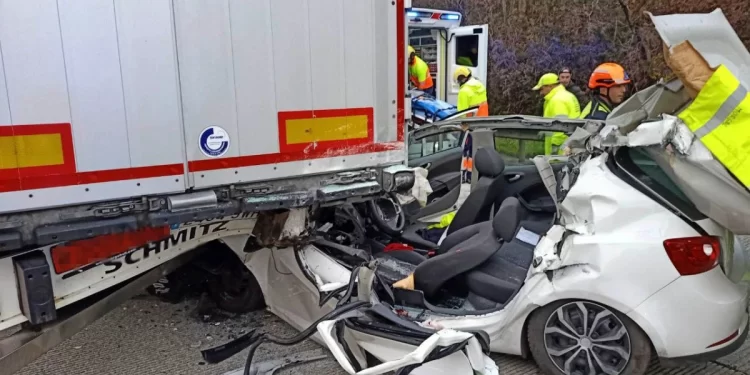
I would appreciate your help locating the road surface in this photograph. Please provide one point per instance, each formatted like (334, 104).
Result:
(146, 336)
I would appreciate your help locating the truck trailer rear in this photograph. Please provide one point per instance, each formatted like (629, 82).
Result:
(133, 131)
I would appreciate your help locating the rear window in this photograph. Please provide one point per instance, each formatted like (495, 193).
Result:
(640, 165)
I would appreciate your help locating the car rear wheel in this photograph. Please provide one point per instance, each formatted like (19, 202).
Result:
(587, 338)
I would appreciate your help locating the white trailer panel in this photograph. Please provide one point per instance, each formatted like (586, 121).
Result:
(92, 65)
(151, 85)
(111, 99)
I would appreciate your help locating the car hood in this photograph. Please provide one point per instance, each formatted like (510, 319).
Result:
(647, 120)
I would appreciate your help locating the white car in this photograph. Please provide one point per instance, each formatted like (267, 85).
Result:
(620, 268)
(620, 254)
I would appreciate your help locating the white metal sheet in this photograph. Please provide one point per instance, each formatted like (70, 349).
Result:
(254, 73)
(148, 61)
(359, 47)
(326, 20)
(291, 54)
(4, 105)
(296, 168)
(710, 34)
(386, 69)
(204, 49)
(92, 63)
(33, 61)
(16, 201)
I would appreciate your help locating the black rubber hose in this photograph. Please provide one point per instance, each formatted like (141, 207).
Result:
(350, 287)
(302, 335)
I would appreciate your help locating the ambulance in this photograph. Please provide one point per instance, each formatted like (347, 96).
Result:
(439, 39)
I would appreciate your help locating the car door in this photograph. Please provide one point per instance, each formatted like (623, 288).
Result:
(518, 143)
(440, 153)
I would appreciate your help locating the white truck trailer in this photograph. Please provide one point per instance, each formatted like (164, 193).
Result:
(132, 131)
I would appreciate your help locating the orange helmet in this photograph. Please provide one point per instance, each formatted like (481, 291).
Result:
(608, 75)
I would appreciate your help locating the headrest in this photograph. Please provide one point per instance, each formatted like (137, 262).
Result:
(507, 218)
(489, 162)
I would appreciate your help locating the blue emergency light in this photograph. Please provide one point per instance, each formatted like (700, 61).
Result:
(451, 17)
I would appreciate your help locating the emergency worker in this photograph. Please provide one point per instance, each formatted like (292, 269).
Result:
(471, 93)
(609, 84)
(557, 102)
(566, 78)
(419, 73)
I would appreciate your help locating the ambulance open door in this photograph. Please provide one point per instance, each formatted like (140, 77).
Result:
(467, 46)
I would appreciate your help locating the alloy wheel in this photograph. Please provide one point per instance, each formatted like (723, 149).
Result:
(585, 338)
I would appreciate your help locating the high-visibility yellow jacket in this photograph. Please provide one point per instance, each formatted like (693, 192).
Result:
(559, 102)
(473, 94)
(419, 73)
(597, 109)
(719, 116)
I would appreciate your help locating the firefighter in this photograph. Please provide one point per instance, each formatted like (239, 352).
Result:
(419, 73)
(557, 102)
(609, 84)
(471, 93)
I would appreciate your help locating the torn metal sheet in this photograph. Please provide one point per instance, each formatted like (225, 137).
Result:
(649, 104)
(578, 209)
(545, 254)
(711, 35)
(478, 362)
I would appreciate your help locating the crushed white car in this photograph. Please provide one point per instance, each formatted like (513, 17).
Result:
(637, 260)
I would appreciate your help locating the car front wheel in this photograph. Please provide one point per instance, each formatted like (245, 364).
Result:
(587, 338)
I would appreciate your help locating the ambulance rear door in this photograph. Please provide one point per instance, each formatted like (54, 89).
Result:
(467, 46)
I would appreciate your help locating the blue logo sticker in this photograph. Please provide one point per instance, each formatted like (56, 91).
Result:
(174, 226)
(214, 141)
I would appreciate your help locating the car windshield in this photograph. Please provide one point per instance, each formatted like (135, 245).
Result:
(647, 171)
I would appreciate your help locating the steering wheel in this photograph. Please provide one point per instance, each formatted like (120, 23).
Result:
(387, 214)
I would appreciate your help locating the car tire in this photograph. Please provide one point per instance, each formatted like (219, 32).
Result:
(236, 290)
(553, 349)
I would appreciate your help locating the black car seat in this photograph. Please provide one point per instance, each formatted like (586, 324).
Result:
(477, 244)
(496, 281)
(477, 206)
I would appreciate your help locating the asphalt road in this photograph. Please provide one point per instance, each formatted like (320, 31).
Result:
(146, 336)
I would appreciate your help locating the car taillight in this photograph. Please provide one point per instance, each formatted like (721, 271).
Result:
(693, 255)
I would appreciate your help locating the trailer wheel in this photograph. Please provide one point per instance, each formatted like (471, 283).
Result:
(236, 290)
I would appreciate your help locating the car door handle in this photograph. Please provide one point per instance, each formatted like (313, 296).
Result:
(513, 177)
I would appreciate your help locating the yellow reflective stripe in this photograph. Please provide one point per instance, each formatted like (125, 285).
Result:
(724, 111)
(24, 151)
(717, 90)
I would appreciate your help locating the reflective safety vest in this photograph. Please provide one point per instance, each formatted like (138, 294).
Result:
(473, 94)
(720, 117)
(596, 110)
(559, 102)
(419, 73)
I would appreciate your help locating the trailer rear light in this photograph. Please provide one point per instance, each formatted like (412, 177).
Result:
(693, 255)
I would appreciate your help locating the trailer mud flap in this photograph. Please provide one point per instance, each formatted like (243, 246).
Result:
(439, 350)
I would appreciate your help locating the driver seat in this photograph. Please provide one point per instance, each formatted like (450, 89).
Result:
(479, 243)
(478, 205)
